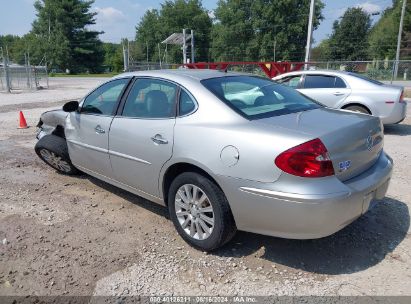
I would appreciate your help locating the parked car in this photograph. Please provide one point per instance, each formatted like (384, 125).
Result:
(350, 91)
(280, 165)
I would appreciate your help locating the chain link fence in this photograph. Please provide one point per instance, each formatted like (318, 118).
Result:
(17, 77)
(377, 69)
(383, 70)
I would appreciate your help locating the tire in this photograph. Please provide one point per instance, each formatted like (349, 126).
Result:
(223, 228)
(53, 151)
(359, 109)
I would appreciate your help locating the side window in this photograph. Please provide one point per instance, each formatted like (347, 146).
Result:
(292, 81)
(186, 104)
(103, 100)
(151, 98)
(339, 83)
(318, 82)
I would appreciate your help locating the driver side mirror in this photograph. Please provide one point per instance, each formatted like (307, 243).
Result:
(71, 106)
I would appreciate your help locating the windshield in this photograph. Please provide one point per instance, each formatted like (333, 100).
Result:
(365, 78)
(255, 97)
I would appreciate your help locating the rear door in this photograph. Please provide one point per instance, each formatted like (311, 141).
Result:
(141, 137)
(326, 89)
(87, 129)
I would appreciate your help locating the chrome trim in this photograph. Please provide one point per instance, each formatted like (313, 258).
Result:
(88, 146)
(295, 197)
(128, 157)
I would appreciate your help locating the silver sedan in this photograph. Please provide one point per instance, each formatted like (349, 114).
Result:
(350, 91)
(223, 151)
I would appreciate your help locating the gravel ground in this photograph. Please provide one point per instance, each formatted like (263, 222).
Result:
(64, 235)
(60, 88)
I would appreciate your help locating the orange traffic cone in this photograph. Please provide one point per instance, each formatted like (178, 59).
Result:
(22, 121)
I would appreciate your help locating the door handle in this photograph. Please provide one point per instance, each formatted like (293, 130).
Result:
(99, 130)
(338, 93)
(158, 139)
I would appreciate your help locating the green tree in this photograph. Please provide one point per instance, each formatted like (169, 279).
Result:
(262, 29)
(61, 32)
(148, 34)
(10, 43)
(349, 39)
(113, 57)
(322, 51)
(20, 47)
(173, 17)
(383, 36)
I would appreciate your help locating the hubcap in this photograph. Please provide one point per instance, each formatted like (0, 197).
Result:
(194, 212)
(54, 160)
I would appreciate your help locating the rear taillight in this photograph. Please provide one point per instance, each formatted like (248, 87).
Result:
(402, 100)
(309, 159)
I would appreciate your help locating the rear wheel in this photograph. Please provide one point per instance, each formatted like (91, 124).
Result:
(200, 211)
(357, 108)
(53, 151)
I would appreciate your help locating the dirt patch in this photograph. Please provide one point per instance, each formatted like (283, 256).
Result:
(33, 105)
(80, 236)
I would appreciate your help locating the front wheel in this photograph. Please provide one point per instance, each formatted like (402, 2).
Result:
(53, 151)
(200, 211)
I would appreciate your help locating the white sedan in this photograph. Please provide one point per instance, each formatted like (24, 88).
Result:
(350, 91)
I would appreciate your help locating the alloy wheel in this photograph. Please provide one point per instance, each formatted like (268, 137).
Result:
(194, 211)
(55, 161)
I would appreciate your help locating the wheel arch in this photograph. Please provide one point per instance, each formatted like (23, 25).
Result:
(176, 169)
(352, 103)
(59, 131)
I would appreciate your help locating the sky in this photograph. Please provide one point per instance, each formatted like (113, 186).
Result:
(119, 18)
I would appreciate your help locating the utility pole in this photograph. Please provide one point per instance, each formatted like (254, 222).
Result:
(274, 47)
(184, 47)
(29, 66)
(159, 55)
(309, 34)
(6, 71)
(27, 69)
(147, 51)
(192, 46)
(397, 56)
(125, 55)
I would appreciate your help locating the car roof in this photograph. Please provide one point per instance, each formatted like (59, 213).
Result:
(194, 74)
(314, 72)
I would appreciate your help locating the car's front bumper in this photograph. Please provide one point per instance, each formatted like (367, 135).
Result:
(314, 209)
(43, 130)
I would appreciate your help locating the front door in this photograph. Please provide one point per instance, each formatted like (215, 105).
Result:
(141, 137)
(87, 129)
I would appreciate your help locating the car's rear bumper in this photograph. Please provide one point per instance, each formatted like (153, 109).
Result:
(320, 208)
(397, 115)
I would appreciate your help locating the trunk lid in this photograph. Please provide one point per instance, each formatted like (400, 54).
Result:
(354, 141)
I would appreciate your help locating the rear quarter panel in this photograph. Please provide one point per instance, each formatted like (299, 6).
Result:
(374, 99)
(200, 138)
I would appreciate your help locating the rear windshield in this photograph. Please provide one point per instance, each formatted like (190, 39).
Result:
(255, 97)
(366, 78)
